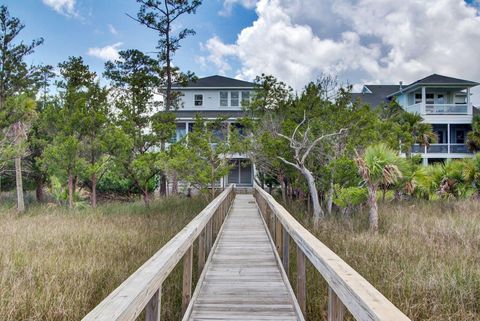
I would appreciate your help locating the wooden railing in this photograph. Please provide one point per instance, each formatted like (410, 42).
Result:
(347, 289)
(142, 290)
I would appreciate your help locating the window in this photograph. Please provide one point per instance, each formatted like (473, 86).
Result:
(245, 97)
(234, 102)
(440, 99)
(224, 99)
(418, 98)
(181, 131)
(429, 99)
(198, 100)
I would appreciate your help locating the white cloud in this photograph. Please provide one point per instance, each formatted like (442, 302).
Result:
(106, 53)
(112, 30)
(359, 40)
(65, 7)
(229, 4)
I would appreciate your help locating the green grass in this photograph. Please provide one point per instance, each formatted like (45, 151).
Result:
(57, 264)
(425, 259)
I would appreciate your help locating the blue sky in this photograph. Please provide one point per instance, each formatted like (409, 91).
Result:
(101, 23)
(359, 41)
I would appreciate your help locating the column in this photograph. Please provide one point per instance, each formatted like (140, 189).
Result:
(469, 105)
(423, 110)
(448, 137)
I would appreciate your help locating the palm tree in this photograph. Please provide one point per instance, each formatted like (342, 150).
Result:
(473, 137)
(447, 180)
(419, 132)
(471, 171)
(378, 166)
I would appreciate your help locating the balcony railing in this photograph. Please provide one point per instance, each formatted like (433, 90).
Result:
(446, 109)
(441, 149)
(438, 109)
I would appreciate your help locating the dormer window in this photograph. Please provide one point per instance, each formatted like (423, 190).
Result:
(224, 99)
(198, 100)
(234, 99)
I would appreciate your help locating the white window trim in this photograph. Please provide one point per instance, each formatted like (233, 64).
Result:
(195, 100)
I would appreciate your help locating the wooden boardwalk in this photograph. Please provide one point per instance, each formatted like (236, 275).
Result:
(243, 278)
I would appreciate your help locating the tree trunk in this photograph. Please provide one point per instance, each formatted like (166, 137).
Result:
(283, 188)
(146, 197)
(372, 202)
(93, 196)
(70, 190)
(330, 196)
(317, 209)
(212, 182)
(174, 184)
(39, 190)
(18, 178)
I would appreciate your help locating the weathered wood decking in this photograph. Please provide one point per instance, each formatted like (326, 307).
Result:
(243, 279)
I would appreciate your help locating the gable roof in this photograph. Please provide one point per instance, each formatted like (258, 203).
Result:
(375, 95)
(216, 82)
(440, 80)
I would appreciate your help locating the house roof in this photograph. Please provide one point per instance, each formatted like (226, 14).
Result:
(216, 82)
(438, 80)
(375, 95)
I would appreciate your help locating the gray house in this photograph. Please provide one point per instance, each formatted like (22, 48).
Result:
(213, 97)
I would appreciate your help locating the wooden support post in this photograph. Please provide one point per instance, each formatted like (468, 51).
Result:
(208, 237)
(286, 252)
(201, 251)
(278, 237)
(301, 281)
(336, 309)
(187, 279)
(152, 310)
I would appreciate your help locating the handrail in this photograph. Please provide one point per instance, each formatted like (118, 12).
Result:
(143, 288)
(347, 288)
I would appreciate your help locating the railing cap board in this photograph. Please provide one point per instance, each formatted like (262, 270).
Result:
(127, 301)
(363, 300)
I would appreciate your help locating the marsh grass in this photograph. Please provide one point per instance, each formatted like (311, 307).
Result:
(425, 259)
(57, 264)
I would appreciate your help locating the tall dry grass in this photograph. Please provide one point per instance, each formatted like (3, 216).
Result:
(425, 259)
(57, 264)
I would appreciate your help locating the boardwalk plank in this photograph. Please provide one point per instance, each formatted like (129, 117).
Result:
(243, 279)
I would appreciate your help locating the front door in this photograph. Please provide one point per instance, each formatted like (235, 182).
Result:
(241, 173)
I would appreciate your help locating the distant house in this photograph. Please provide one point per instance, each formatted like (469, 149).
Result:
(444, 102)
(213, 97)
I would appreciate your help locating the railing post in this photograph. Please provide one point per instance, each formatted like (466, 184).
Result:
(208, 238)
(187, 279)
(301, 281)
(152, 310)
(336, 309)
(278, 236)
(286, 251)
(201, 251)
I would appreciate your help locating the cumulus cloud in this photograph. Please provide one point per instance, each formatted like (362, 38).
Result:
(229, 4)
(65, 7)
(106, 53)
(358, 40)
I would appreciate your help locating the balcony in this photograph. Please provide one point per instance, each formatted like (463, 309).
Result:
(439, 109)
(441, 149)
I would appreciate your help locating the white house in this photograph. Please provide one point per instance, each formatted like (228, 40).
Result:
(444, 102)
(213, 97)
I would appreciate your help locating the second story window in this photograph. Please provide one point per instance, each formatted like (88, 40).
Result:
(198, 100)
(245, 97)
(224, 99)
(234, 99)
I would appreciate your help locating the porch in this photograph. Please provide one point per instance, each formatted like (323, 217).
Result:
(451, 140)
(439, 101)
